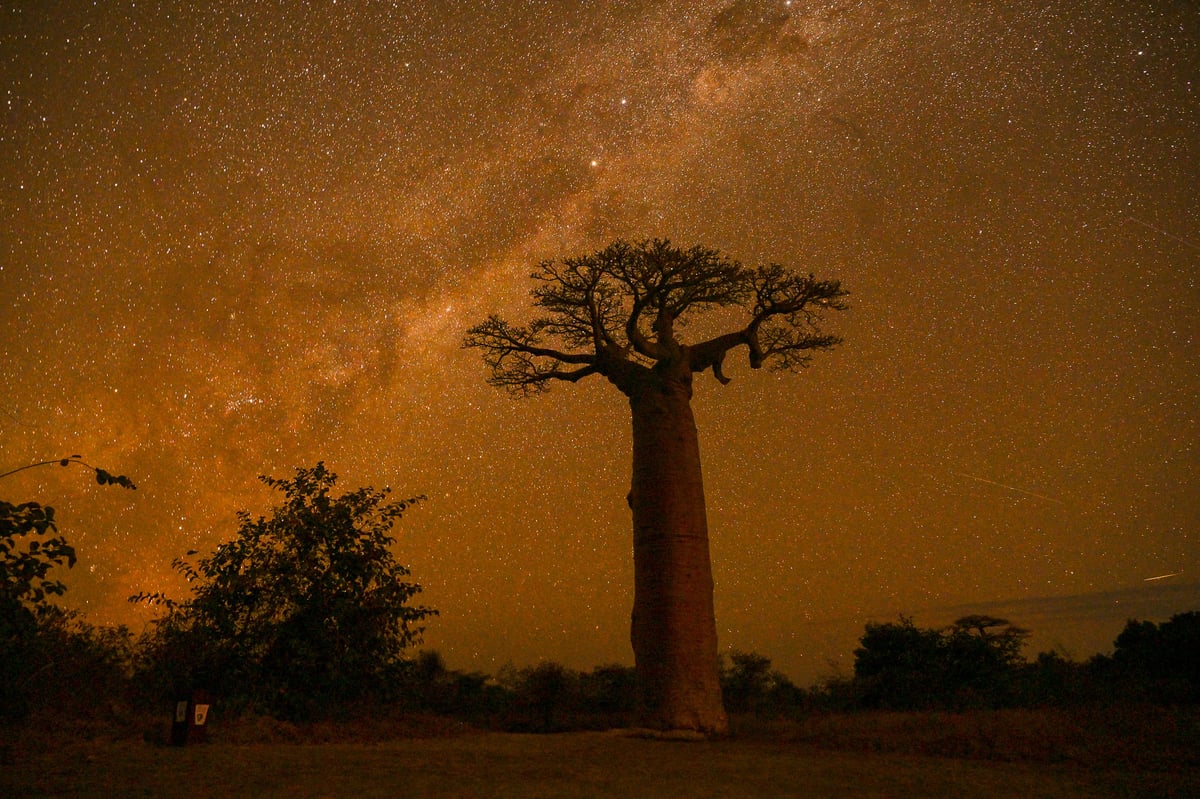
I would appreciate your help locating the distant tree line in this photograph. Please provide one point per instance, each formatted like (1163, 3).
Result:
(307, 614)
(977, 662)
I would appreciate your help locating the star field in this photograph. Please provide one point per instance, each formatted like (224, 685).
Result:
(242, 239)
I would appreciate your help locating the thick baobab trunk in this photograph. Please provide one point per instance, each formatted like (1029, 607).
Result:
(674, 627)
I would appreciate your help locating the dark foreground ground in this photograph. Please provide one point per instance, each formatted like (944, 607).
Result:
(883, 755)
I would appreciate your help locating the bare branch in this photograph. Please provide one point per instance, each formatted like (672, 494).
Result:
(517, 360)
(576, 301)
(539, 380)
(697, 279)
(626, 266)
(787, 312)
(784, 327)
(778, 291)
(786, 348)
(103, 476)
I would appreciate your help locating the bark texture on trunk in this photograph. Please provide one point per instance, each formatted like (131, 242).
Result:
(674, 632)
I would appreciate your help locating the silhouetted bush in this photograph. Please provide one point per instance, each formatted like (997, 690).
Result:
(1156, 662)
(550, 697)
(976, 663)
(545, 699)
(750, 685)
(898, 665)
(1052, 680)
(609, 694)
(56, 664)
(425, 684)
(303, 611)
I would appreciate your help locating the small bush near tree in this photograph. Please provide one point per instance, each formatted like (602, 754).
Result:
(545, 699)
(750, 685)
(609, 694)
(303, 611)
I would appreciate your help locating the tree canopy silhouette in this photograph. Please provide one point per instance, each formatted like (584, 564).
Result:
(618, 313)
(974, 660)
(1164, 657)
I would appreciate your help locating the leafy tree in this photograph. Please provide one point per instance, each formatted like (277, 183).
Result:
(618, 313)
(995, 640)
(897, 664)
(303, 609)
(982, 658)
(975, 659)
(546, 698)
(1004, 641)
(30, 548)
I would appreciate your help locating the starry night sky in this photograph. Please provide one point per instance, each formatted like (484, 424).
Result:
(246, 238)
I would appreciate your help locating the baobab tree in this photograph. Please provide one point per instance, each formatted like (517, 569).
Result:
(617, 313)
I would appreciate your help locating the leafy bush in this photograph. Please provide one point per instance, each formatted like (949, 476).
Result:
(609, 694)
(302, 611)
(545, 699)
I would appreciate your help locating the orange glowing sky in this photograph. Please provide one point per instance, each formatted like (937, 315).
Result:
(243, 239)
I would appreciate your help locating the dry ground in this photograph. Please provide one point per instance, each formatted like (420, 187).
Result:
(463, 763)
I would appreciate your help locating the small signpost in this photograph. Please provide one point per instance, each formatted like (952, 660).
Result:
(190, 720)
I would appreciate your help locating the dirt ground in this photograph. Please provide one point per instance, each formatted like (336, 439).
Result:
(578, 765)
